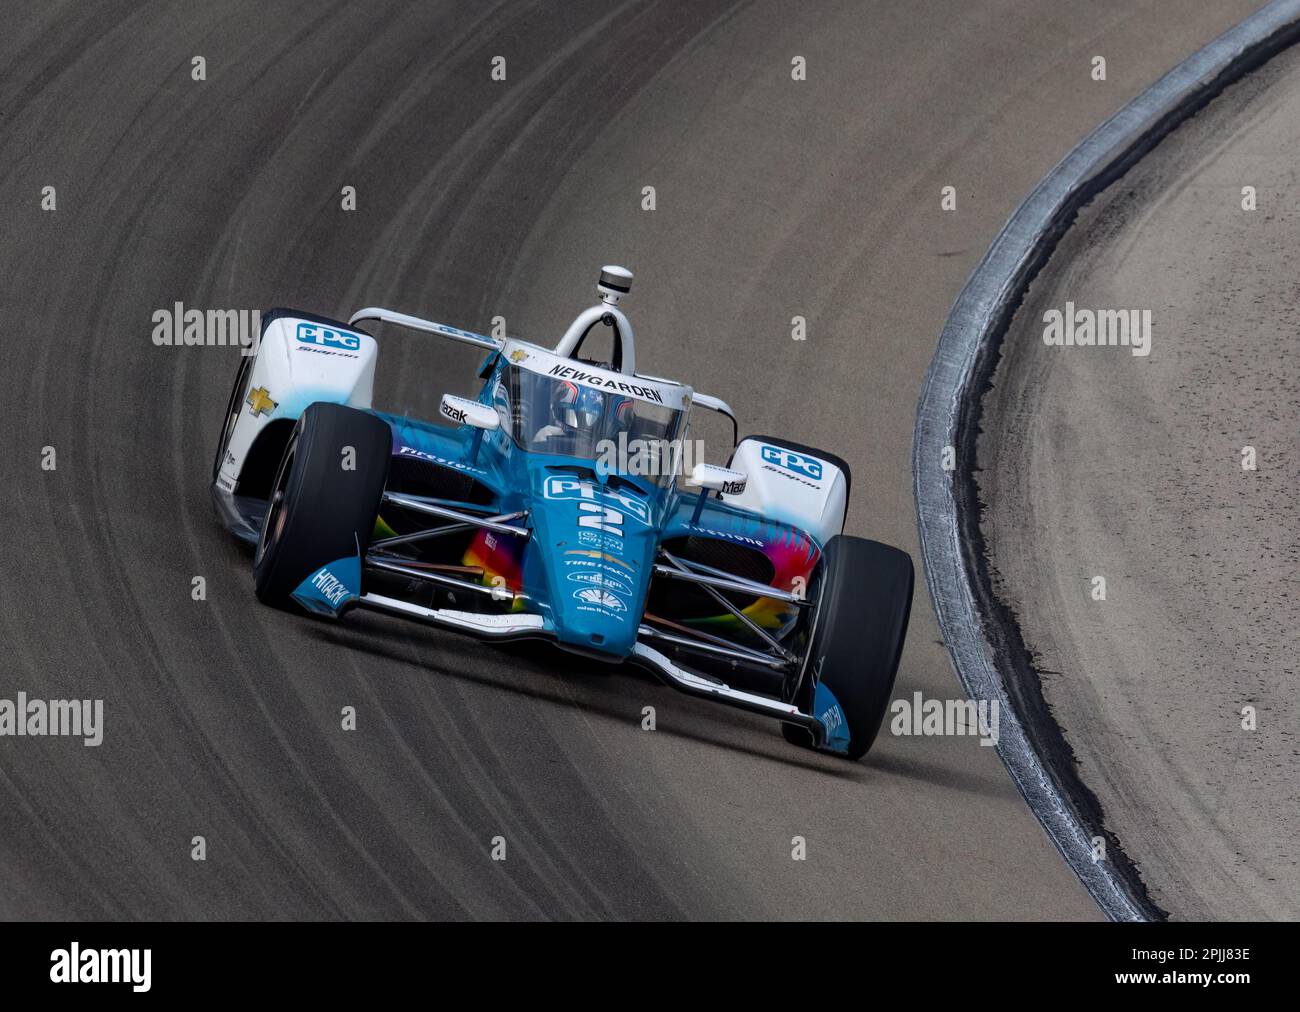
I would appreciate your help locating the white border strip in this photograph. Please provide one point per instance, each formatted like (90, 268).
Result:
(947, 414)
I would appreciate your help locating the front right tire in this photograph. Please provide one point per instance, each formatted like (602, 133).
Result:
(857, 640)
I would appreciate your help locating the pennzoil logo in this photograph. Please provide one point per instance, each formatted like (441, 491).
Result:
(603, 580)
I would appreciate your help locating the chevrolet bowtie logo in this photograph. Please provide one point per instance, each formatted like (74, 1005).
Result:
(260, 401)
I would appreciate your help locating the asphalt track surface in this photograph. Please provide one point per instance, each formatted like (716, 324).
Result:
(477, 198)
(1135, 473)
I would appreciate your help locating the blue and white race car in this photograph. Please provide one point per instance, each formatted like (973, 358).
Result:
(542, 509)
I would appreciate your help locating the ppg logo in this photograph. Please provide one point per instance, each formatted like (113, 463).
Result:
(795, 463)
(324, 337)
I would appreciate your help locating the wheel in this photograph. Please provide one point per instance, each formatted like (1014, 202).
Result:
(237, 395)
(321, 512)
(856, 641)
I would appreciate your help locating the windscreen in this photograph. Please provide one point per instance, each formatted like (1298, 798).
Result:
(546, 414)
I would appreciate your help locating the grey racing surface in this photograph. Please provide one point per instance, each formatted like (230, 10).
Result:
(773, 198)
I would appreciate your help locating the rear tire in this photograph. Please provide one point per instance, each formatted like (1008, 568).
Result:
(319, 511)
(857, 641)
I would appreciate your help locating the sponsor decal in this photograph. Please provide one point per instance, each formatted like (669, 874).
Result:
(455, 414)
(326, 337)
(795, 463)
(330, 586)
(733, 487)
(598, 598)
(598, 555)
(612, 583)
(645, 393)
(411, 451)
(260, 403)
(744, 539)
(225, 484)
(326, 351)
(595, 540)
(586, 492)
(826, 708)
(518, 355)
(583, 563)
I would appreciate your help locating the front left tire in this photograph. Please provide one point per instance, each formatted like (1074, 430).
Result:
(324, 499)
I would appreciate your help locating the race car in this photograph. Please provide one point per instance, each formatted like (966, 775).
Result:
(522, 515)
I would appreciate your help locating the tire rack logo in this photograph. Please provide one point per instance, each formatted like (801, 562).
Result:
(603, 580)
(600, 557)
(327, 340)
(795, 463)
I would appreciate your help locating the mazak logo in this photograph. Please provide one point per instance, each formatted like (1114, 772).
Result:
(599, 598)
(602, 580)
(795, 463)
(455, 414)
(325, 337)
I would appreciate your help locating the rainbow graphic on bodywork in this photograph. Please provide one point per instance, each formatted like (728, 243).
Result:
(793, 557)
(501, 559)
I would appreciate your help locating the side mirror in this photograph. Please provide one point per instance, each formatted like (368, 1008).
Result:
(718, 479)
(463, 411)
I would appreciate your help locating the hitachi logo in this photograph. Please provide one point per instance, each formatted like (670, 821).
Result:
(331, 587)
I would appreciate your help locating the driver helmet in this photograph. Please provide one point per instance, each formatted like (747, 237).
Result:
(577, 409)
